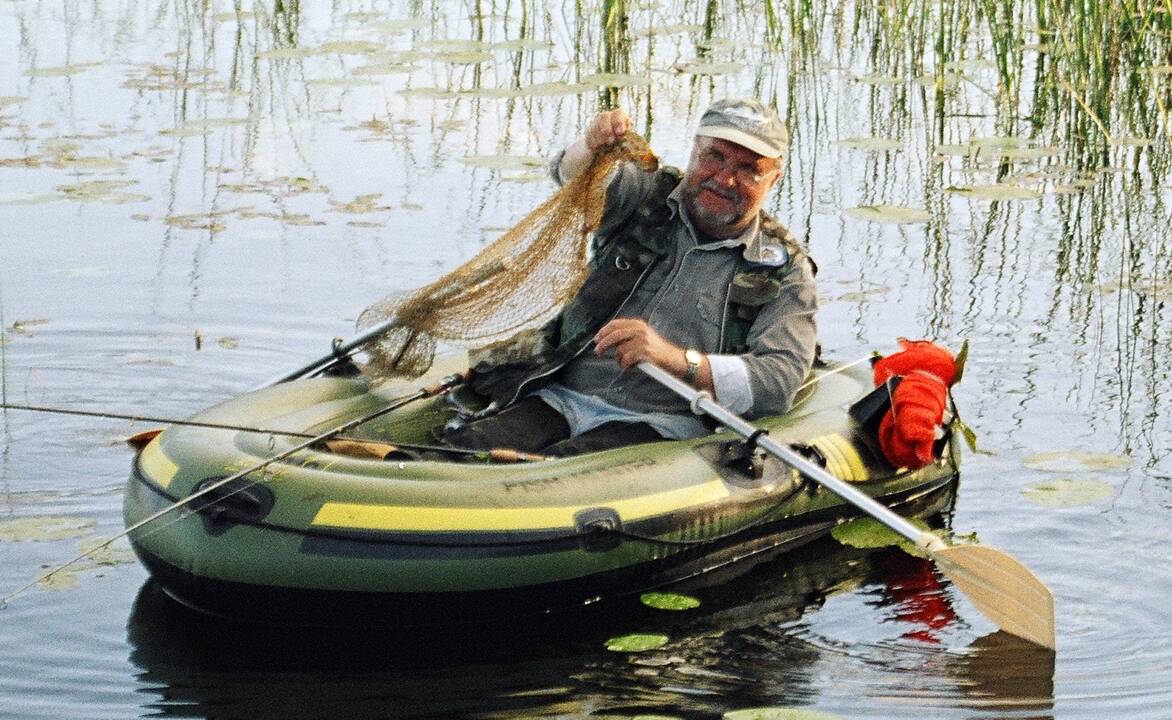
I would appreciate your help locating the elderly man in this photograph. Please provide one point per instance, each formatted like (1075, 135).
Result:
(688, 273)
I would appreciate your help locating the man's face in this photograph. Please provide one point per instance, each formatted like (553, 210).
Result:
(726, 185)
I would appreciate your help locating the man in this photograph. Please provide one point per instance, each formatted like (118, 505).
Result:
(688, 273)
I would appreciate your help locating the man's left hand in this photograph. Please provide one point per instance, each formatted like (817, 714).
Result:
(634, 341)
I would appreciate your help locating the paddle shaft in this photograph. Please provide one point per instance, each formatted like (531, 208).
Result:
(703, 402)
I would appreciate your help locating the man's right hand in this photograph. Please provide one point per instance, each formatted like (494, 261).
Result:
(606, 128)
(603, 130)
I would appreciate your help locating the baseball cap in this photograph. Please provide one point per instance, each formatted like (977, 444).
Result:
(747, 123)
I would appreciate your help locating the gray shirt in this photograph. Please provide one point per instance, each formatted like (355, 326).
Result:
(683, 298)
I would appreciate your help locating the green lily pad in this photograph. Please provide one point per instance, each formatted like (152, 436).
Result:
(1075, 461)
(61, 70)
(996, 191)
(64, 579)
(889, 214)
(286, 53)
(1128, 141)
(464, 57)
(351, 47)
(970, 65)
(669, 601)
(779, 713)
(520, 45)
(388, 68)
(636, 642)
(552, 88)
(869, 533)
(505, 162)
(874, 144)
(6, 100)
(45, 528)
(1067, 492)
(881, 80)
(710, 68)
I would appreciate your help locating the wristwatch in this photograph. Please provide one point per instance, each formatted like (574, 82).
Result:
(694, 358)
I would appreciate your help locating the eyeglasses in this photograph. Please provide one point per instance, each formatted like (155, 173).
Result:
(745, 173)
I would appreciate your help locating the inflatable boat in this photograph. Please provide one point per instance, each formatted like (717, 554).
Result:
(381, 527)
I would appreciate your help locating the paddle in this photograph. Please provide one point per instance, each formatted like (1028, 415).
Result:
(1001, 587)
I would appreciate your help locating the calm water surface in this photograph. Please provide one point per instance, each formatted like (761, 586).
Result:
(256, 176)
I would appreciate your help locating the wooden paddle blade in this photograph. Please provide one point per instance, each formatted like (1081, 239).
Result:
(1003, 589)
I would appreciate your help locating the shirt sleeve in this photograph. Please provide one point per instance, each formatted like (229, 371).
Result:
(730, 378)
(782, 343)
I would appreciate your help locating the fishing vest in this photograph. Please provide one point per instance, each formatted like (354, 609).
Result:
(619, 263)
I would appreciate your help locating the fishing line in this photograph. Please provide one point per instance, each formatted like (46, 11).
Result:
(442, 386)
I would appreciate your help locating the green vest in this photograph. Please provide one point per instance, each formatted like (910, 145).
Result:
(501, 371)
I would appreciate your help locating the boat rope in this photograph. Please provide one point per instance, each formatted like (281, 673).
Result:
(442, 386)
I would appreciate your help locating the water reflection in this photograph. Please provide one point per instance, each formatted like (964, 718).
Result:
(750, 644)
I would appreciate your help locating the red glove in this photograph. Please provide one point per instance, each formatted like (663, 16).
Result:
(908, 430)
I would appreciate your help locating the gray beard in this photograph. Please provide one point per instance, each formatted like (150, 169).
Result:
(713, 220)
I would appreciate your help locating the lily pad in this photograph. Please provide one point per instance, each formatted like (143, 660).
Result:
(45, 528)
(1075, 461)
(107, 191)
(388, 68)
(61, 70)
(880, 80)
(505, 162)
(636, 642)
(778, 713)
(520, 45)
(874, 144)
(6, 100)
(869, 533)
(896, 214)
(467, 57)
(360, 204)
(996, 191)
(63, 579)
(615, 80)
(1128, 141)
(289, 53)
(710, 68)
(1067, 492)
(552, 88)
(970, 65)
(352, 47)
(228, 343)
(669, 601)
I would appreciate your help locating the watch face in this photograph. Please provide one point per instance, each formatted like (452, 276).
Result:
(694, 357)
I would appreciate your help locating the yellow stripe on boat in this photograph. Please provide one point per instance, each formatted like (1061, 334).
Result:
(842, 457)
(156, 465)
(355, 516)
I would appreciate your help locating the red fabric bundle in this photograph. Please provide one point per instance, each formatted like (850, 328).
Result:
(908, 430)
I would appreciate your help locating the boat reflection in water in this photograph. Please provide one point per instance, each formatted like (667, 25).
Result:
(751, 643)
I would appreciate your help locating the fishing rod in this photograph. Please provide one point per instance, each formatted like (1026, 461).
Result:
(442, 386)
(496, 454)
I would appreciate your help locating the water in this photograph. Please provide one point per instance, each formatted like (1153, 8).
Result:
(234, 207)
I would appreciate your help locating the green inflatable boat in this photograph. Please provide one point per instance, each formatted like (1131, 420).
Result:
(360, 531)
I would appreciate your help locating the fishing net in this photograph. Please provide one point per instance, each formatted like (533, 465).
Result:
(518, 282)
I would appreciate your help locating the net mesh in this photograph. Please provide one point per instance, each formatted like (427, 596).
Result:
(518, 282)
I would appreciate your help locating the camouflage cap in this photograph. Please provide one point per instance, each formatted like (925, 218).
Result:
(747, 123)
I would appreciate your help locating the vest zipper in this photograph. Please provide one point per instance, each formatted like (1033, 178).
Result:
(526, 381)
